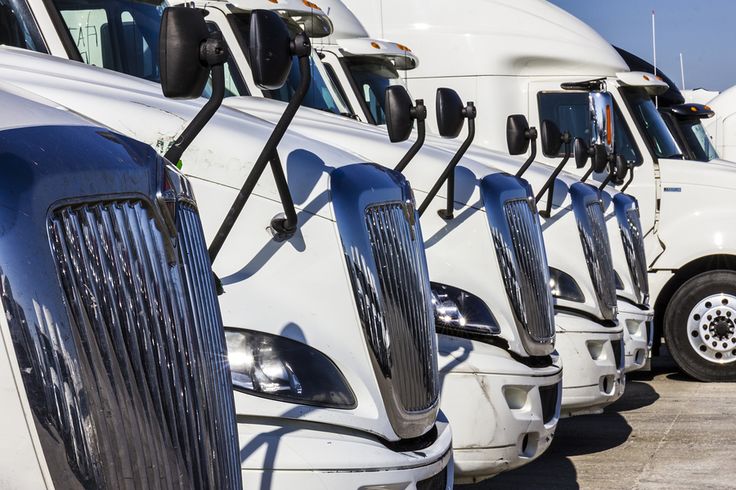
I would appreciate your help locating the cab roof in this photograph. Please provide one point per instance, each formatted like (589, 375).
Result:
(313, 19)
(492, 37)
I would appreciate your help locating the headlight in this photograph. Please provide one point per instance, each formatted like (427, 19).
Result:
(283, 369)
(563, 286)
(459, 313)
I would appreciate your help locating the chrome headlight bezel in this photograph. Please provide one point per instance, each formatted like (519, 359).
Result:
(282, 369)
(564, 286)
(459, 313)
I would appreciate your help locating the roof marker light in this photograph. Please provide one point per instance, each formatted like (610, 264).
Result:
(403, 47)
(375, 45)
(693, 109)
(646, 78)
(311, 5)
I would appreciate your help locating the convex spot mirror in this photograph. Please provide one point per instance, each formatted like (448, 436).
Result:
(551, 138)
(450, 115)
(601, 113)
(517, 134)
(399, 120)
(183, 30)
(269, 49)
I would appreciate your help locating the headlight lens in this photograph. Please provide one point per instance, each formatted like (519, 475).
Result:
(280, 368)
(563, 286)
(459, 313)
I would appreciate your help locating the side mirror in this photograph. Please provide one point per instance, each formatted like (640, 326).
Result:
(621, 168)
(601, 109)
(450, 113)
(398, 107)
(599, 158)
(270, 49)
(517, 134)
(582, 153)
(183, 32)
(551, 138)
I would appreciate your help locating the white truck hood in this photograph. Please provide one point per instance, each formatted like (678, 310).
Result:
(717, 174)
(225, 150)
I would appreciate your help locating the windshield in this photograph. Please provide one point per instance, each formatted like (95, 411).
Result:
(322, 94)
(371, 77)
(571, 112)
(115, 34)
(18, 27)
(655, 130)
(697, 140)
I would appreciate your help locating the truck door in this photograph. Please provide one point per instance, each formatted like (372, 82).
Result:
(569, 110)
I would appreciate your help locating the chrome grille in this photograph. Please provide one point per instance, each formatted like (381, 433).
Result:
(395, 305)
(597, 251)
(633, 240)
(158, 409)
(525, 271)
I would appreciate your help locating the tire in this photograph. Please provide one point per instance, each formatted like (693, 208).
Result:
(692, 310)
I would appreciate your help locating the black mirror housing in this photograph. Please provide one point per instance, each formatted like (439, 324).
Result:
(183, 30)
(599, 158)
(551, 138)
(620, 170)
(450, 115)
(399, 120)
(517, 130)
(269, 49)
(582, 153)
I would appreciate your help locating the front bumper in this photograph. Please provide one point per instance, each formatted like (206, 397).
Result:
(503, 413)
(593, 358)
(637, 338)
(283, 453)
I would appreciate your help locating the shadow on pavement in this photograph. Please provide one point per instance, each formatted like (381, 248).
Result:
(638, 395)
(586, 434)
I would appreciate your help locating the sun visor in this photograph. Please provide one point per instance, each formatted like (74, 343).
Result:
(401, 55)
(653, 85)
(307, 15)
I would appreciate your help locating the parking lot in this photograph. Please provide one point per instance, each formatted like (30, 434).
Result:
(667, 432)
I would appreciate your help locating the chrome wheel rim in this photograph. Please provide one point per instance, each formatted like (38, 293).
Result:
(711, 328)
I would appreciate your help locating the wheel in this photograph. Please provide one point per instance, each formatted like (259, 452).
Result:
(700, 326)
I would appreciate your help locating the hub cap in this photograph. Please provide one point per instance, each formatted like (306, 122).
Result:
(712, 328)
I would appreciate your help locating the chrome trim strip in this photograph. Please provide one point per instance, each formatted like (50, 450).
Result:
(522, 258)
(589, 213)
(384, 250)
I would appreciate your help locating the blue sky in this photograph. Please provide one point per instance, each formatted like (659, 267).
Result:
(703, 30)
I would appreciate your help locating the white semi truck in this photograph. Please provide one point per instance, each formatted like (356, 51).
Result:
(533, 58)
(334, 364)
(113, 368)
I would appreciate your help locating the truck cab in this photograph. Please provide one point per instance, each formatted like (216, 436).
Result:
(322, 368)
(111, 336)
(517, 58)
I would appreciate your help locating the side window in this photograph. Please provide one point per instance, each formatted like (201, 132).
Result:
(18, 27)
(571, 113)
(119, 35)
(234, 83)
(86, 28)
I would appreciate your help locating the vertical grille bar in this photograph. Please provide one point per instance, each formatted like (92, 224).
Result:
(152, 352)
(633, 237)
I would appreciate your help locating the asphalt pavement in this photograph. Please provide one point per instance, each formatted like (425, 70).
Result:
(667, 432)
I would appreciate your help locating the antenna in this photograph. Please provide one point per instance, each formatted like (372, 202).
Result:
(654, 49)
(682, 70)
